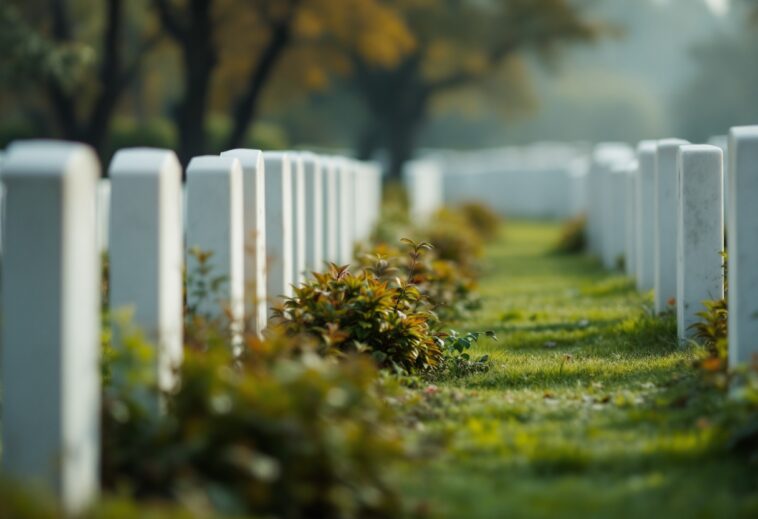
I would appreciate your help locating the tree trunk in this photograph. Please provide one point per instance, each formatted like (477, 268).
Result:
(246, 108)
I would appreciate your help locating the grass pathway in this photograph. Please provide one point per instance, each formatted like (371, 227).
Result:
(588, 410)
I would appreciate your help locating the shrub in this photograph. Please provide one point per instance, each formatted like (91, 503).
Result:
(363, 312)
(481, 218)
(454, 240)
(573, 238)
(448, 291)
(457, 361)
(711, 331)
(261, 433)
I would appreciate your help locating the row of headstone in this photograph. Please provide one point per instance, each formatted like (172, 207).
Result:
(543, 180)
(254, 223)
(661, 211)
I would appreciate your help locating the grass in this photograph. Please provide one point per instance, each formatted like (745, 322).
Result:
(590, 409)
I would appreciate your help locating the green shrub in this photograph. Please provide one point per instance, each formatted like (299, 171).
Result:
(264, 433)
(454, 240)
(573, 239)
(447, 289)
(362, 312)
(482, 219)
(457, 361)
(712, 331)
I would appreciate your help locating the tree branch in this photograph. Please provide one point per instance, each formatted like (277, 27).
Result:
(169, 20)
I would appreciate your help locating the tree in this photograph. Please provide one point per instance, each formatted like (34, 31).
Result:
(457, 43)
(256, 36)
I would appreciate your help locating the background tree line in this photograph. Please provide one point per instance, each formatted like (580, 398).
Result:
(76, 69)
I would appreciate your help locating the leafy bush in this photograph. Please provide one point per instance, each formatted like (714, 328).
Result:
(481, 218)
(262, 433)
(448, 291)
(573, 236)
(362, 312)
(454, 240)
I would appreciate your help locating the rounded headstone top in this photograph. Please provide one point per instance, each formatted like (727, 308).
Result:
(136, 161)
(51, 158)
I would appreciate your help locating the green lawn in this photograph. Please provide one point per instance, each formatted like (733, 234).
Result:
(590, 408)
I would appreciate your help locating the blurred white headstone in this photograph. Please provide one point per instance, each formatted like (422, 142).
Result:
(146, 250)
(51, 320)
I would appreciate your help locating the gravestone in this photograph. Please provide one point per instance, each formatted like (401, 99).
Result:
(329, 207)
(215, 226)
(103, 213)
(314, 212)
(345, 210)
(645, 226)
(630, 252)
(278, 226)
(298, 217)
(666, 189)
(742, 230)
(700, 234)
(50, 359)
(146, 250)
(254, 201)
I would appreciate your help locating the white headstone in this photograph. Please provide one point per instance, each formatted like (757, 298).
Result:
(314, 212)
(742, 233)
(146, 250)
(345, 211)
(666, 188)
(278, 226)
(630, 194)
(51, 320)
(214, 225)
(329, 206)
(103, 209)
(254, 199)
(297, 166)
(700, 233)
(645, 226)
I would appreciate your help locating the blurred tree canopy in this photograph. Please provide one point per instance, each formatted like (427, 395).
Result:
(213, 67)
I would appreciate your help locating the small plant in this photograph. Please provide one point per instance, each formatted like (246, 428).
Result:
(712, 331)
(454, 240)
(457, 361)
(573, 236)
(365, 313)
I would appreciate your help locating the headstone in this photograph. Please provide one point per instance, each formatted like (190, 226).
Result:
(645, 226)
(630, 252)
(102, 208)
(254, 200)
(314, 212)
(700, 234)
(278, 226)
(614, 228)
(214, 226)
(742, 230)
(50, 359)
(329, 206)
(146, 250)
(345, 211)
(666, 188)
(297, 166)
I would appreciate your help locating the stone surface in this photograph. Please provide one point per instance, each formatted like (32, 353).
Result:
(50, 359)
(314, 212)
(103, 210)
(278, 226)
(215, 225)
(742, 235)
(666, 189)
(630, 196)
(345, 210)
(700, 234)
(645, 215)
(298, 217)
(146, 250)
(254, 201)
(329, 206)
